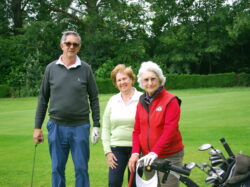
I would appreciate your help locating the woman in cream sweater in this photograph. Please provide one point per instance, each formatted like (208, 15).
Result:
(118, 123)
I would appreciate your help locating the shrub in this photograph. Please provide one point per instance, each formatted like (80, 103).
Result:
(243, 79)
(221, 80)
(105, 86)
(183, 81)
(4, 90)
(25, 78)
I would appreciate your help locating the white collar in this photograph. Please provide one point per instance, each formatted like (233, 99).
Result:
(77, 62)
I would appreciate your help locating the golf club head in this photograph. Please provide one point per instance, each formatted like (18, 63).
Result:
(220, 172)
(214, 157)
(214, 152)
(216, 168)
(216, 171)
(203, 165)
(210, 179)
(190, 165)
(205, 147)
(217, 162)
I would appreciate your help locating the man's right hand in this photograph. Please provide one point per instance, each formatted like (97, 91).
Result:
(38, 136)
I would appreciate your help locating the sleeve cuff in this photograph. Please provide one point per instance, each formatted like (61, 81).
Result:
(135, 154)
(97, 125)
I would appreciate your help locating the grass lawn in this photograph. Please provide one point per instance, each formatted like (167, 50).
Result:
(207, 115)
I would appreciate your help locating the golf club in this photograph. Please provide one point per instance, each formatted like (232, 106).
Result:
(219, 171)
(226, 146)
(214, 157)
(212, 171)
(210, 179)
(34, 158)
(217, 162)
(213, 151)
(131, 179)
(190, 165)
(201, 166)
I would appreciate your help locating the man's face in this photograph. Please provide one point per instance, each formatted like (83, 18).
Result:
(71, 46)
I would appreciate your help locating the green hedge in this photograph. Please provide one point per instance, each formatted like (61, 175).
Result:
(4, 90)
(174, 81)
(184, 81)
(105, 86)
(243, 79)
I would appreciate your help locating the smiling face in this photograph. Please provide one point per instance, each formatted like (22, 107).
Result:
(123, 82)
(150, 82)
(71, 46)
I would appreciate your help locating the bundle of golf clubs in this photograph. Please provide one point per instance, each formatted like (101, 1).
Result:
(219, 171)
(220, 168)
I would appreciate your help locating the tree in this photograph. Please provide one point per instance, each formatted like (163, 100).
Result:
(185, 36)
(239, 31)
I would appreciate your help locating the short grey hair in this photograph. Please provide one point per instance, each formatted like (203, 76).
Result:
(66, 33)
(153, 67)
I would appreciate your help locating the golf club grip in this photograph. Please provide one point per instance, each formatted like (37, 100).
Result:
(166, 167)
(188, 182)
(226, 146)
(180, 170)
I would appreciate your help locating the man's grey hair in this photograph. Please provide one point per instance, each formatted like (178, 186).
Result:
(66, 33)
(153, 67)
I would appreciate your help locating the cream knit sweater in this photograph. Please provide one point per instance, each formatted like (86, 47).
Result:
(118, 122)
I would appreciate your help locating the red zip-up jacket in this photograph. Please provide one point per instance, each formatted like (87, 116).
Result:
(156, 126)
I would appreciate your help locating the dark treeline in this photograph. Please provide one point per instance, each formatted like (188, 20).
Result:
(184, 36)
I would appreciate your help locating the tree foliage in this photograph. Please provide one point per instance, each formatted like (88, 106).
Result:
(185, 36)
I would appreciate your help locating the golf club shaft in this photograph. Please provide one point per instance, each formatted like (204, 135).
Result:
(34, 158)
(226, 146)
(131, 177)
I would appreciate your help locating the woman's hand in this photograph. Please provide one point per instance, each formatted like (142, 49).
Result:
(132, 162)
(111, 160)
(148, 159)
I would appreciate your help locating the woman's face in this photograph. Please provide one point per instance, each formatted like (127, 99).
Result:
(123, 82)
(150, 82)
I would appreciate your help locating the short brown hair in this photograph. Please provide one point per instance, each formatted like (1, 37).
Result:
(121, 68)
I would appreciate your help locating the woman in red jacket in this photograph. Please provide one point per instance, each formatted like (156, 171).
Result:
(156, 132)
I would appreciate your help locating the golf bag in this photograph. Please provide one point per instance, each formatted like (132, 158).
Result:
(240, 172)
(237, 170)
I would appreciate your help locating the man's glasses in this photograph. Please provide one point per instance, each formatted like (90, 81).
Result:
(69, 44)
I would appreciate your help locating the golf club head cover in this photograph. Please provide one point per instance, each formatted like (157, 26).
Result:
(95, 135)
(148, 159)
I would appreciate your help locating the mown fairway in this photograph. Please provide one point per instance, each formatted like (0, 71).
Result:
(207, 115)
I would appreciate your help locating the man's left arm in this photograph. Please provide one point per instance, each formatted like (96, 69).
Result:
(95, 108)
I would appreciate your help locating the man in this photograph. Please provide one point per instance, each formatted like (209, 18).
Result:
(68, 86)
